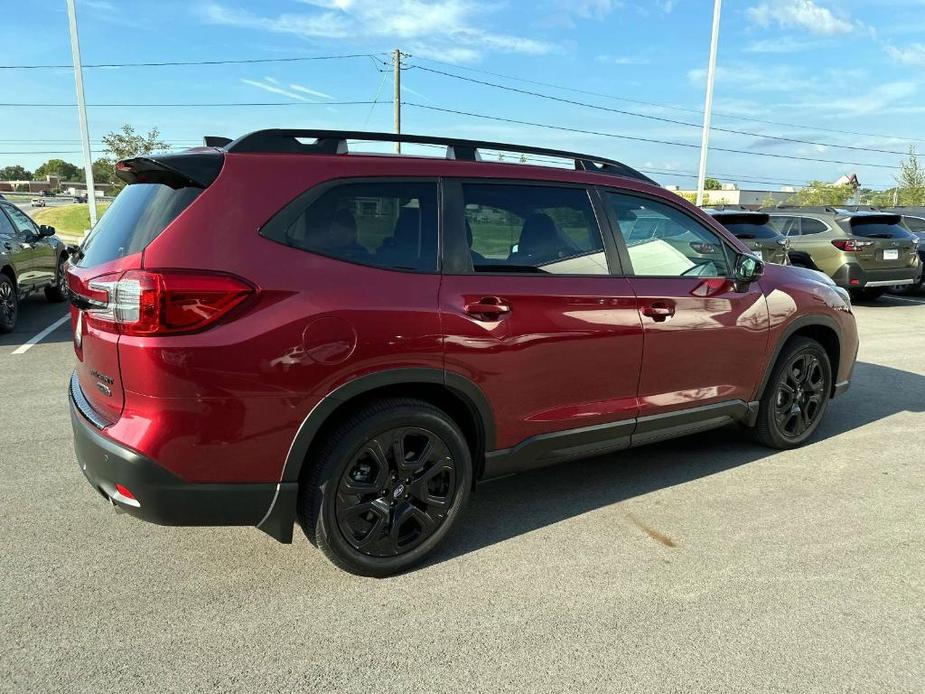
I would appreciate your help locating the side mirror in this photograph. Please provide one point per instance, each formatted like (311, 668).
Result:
(46, 230)
(748, 269)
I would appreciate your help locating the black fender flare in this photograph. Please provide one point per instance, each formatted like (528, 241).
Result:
(793, 326)
(457, 384)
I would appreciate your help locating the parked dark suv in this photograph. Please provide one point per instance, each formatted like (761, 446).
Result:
(274, 328)
(755, 230)
(31, 260)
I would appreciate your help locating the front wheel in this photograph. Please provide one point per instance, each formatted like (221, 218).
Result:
(386, 486)
(796, 395)
(9, 304)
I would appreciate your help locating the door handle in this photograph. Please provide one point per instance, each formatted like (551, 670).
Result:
(489, 307)
(659, 311)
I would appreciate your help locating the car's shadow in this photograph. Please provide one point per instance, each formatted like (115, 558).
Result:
(36, 314)
(515, 505)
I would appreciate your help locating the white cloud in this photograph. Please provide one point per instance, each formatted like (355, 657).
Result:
(622, 60)
(800, 14)
(782, 44)
(273, 89)
(454, 30)
(310, 92)
(913, 54)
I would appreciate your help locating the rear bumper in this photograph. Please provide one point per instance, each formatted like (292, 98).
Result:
(160, 496)
(853, 276)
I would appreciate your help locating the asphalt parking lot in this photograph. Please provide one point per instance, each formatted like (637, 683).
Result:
(704, 564)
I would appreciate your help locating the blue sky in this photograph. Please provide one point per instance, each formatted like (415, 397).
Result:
(815, 66)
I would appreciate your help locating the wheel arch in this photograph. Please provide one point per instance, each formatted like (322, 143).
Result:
(7, 269)
(458, 396)
(822, 329)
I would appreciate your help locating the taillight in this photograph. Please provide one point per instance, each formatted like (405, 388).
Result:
(166, 302)
(851, 245)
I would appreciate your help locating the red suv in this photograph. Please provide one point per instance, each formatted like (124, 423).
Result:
(273, 329)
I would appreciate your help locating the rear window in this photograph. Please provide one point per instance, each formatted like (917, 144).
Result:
(749, 230)
(878, 229)
(137, 216)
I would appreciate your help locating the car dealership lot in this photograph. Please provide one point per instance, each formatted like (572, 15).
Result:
(705, 563)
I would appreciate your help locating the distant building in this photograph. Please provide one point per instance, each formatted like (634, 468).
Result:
(732, 195)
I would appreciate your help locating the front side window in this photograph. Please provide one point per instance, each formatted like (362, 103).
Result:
(390, 225)
(6, 228)
(21, 221)
(532, 228)
(663, 241)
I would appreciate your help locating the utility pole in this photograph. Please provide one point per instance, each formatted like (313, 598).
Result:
(396, 61)
(82, 111)
(708, 107)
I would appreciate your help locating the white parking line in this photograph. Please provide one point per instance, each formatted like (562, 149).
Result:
(902, 298)
(26, 346)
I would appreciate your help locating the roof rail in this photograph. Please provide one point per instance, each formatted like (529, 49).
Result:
(335, 142)
(802, 208)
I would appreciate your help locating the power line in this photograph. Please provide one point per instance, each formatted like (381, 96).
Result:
(670, 107)
(199, 105)
(643, 139)
(171, 63)
(660, 119)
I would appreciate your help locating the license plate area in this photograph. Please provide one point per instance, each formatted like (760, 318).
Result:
(891, 254)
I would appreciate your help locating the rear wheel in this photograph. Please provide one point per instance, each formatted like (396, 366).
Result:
(9, 304)
(386, 487)
(58, 291)
(796, 395)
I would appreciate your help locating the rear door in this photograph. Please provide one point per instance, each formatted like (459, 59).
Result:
(883, 242)
(535, 310)
(137, 216)
(704, 341)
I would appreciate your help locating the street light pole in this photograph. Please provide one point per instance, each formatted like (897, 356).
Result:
(82, 111)
(396, 62)
(708, 107)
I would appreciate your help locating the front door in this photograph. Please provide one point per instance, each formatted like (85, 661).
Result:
(704, 341)
(37, 248)
(532, 313)
(14, 245)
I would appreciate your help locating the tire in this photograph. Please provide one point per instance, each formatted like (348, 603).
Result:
(9, 304)
(372, 515)
(57, 292)
(804, 370)
(867, 294)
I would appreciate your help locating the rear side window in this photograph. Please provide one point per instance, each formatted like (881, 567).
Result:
(812, 226)
(532, 228)
(137, 216)
(786, 226)
(391, 225)
(877, 229)
(916, 224)
(6, 228)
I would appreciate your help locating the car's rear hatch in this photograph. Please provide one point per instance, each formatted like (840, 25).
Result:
(159, 189)
(755, 231)
(880, 242)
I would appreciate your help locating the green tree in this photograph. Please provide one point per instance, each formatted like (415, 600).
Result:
(60, 168)
(15, 173)
(125, 143)
(822, 193)
(103, 171)
(712, 184)
(911, 180)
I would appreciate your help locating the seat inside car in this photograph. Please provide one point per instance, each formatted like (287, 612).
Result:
(539, 240)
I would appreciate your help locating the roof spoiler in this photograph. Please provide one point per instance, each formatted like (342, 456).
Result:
(197, 169)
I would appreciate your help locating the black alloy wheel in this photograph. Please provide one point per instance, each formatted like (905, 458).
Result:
(9, 304)
(385, 485)
(796, 395)
(800, 395)
(395, 492)
(57, 292)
